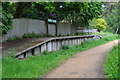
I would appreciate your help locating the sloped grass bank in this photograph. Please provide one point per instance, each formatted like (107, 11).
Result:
(37, 66)
(111, 66)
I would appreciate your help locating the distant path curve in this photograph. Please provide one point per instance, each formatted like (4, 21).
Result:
(86, 64)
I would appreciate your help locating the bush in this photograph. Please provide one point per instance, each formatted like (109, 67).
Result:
(11, 52)
(30, 35)
(13, 38)
(65, 47)
(99, 24)
(45, 52)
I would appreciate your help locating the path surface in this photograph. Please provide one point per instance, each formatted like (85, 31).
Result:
(86, 64)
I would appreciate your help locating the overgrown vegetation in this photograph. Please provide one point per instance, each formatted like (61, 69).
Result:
(112, 17)
(6, 17)
(111, 66)
(1, 69)
(75, 13)
(37, 66)
(30, 35)
(13, 38)
(96, 33)
(65, 47)
(99, 24)
(101, 33)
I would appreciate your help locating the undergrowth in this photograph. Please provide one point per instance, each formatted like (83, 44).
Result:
(111, 65)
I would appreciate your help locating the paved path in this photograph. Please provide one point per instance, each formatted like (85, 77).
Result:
(86, 64)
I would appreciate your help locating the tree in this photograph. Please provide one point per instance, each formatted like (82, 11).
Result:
(72, 12)
(99, 24)
(76, 13)
(19, 9)
(113, 19)
(6, 17)
(108, 7)
(79, 13)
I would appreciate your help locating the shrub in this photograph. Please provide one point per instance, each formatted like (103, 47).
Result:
(13, 38)
(30, 35)
(11, 52)
(65, 47)
(45, 52)
(99, 24)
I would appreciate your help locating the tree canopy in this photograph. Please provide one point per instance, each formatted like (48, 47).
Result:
(113, 19)
(76, 13)
(6, 17)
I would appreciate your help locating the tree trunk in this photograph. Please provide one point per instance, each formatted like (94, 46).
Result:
(19, 9)
(117, 30)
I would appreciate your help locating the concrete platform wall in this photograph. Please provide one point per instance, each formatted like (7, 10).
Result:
(54, 44)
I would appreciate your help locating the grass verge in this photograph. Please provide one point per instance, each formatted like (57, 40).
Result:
(96, 33)
(37, 66)
(0, 69)
(111, 65)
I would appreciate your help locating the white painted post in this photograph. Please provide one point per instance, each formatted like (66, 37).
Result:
(62, 42)
(54, 46)
(71, 42)
(49, 46)
(66, 41)
(58, 44)
(75, 41)
(37, 50)
(43, 48)
(29, 53)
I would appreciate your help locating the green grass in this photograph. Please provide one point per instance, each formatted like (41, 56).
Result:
(31, 35)
(111, 63)
(37, 66)
(13, 38)
(0, 69)
(100, 33)
(96, 33)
